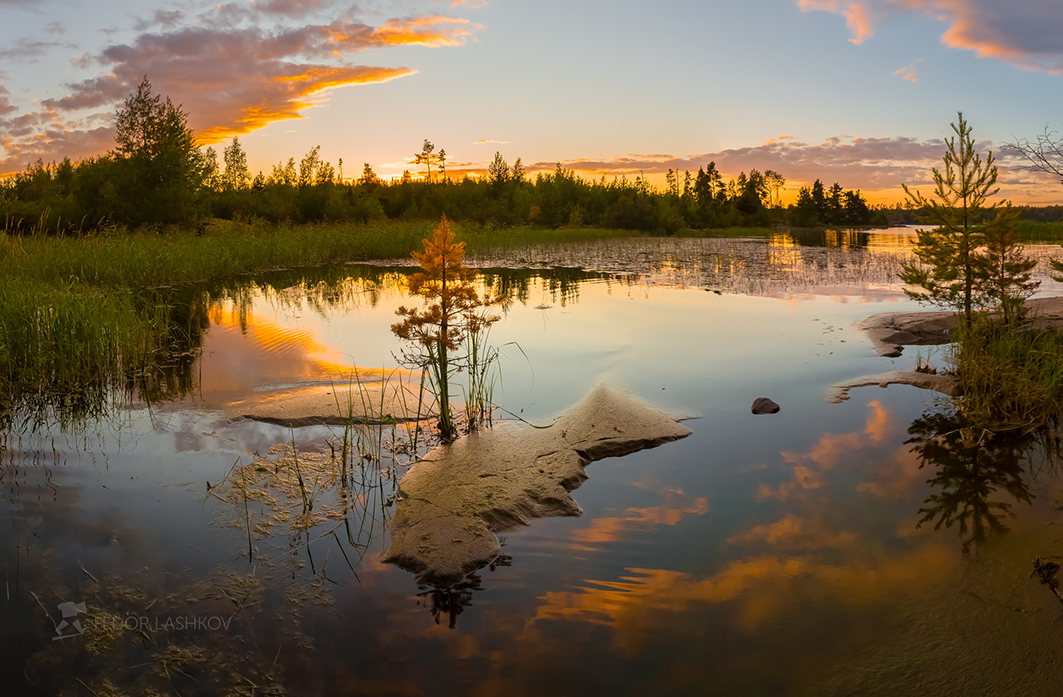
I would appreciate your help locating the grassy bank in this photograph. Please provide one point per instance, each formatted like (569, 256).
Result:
(728, 232)
(223, 250)
(1012, 378)
(227, 249)
(1034, 231)
(478, 238)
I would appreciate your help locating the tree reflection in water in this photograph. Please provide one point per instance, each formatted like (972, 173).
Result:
(971, 464)
(451, 602)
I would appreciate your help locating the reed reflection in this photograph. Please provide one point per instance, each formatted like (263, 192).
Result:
(147, 353)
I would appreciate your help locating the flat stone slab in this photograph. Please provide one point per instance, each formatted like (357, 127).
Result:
(945, 384)
(453, 501)
(891, 332)
(371, 403)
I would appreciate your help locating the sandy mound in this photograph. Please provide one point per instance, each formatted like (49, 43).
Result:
(453, 501)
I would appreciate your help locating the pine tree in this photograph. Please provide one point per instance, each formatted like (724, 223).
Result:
(369, 177)
(455, 311)
(156, 152)
(425, 158)
(952, 271)
(498, 170)
(1008, 269)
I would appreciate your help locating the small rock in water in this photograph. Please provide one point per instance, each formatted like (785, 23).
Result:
(763, 405)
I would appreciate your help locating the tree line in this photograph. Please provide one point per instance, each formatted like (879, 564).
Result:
(156, 176)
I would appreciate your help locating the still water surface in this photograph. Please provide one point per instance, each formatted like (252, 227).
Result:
(762, 555)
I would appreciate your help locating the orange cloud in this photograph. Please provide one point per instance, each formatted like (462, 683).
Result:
(810, 469)
(859, 22)
(230, 75)
(793, 532)
(268, 353)
(761, 590)
(907, 73)
(1027, 33)
(880, 422)
(670, 513)
(355, 36)
(897, 478)
(249, 351)
(857, 15)
(290, 96)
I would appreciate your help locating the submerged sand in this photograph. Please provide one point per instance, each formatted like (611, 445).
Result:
(947, 385)
(372, 403)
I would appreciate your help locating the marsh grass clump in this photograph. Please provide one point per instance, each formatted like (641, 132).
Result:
(304, 490)
(337, 494)
(69, 352)
(1011, 377)
(481, 376)
(65, 346)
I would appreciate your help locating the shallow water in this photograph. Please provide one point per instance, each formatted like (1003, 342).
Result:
(762, 555)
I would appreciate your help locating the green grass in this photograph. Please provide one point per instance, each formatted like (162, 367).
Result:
(228, 249)
(1012, 378)
(728, 232)
(1033, 231)
(225, 250)
(65, 348)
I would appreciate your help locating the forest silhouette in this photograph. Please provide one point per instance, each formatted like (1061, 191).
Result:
(156, 176)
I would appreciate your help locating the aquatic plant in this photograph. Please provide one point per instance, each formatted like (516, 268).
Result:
(481, 373)
(69, 351)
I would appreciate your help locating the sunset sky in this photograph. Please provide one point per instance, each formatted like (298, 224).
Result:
(861, 93)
